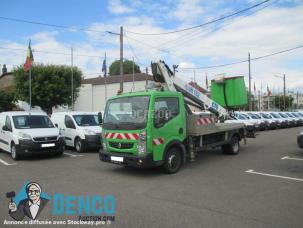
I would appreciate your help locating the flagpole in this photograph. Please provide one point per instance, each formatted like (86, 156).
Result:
(105, 76)
(30, 89)
(72, 79)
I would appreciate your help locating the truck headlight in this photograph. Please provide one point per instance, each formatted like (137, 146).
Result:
(89, 132)
(142, 143)
(24, 136)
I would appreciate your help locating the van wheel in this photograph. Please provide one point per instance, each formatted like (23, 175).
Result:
(233, 147)
(14, 153)
(79, 145)
(173, 161)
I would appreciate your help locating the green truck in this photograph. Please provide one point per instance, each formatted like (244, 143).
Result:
(156, 127)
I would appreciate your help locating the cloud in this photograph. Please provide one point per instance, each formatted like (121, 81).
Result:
(116, 7)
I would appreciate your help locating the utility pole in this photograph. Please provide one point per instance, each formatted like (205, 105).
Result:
(249, 84)
(121, 58)
(284, 91)
(72, 70)
(259, 100)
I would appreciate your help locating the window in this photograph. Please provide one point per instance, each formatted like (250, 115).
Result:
(32, 121)
(167, 108)
(8, 123)
(69, 122)
(86, 120)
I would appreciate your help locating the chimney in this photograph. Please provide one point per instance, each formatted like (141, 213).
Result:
(4, 69)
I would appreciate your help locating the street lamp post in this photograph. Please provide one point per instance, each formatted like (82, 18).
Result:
(284, 89)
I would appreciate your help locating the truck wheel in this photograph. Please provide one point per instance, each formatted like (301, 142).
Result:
(233, 147)
(14, 153)
(173, 161)
(79, 145)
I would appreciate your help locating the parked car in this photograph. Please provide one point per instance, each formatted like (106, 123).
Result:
(255, 122)
(282, 123)
(298, 118)
(291, 122)
(273, 124)
(81, 130)
(294, 118)
(25, 133)
(249, 126)
(263, 124)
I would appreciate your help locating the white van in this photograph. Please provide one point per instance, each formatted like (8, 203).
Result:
(80, 129)
(24, 133)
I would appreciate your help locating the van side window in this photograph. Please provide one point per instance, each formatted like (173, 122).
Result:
(69, 122)
(8, 124)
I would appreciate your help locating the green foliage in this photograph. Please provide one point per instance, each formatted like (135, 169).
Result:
(7, 100)
(51, 85)
(279, 102)
(114, 68)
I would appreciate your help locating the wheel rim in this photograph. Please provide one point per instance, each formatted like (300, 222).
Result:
(78, 145)
(13, 151)
(235, 146)
(172, 161)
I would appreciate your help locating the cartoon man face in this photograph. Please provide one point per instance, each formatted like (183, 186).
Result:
(34, 192)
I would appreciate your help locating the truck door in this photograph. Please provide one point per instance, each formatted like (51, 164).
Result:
(168, 124)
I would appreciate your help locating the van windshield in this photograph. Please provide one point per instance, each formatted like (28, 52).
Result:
(86, 120)
(32, 121)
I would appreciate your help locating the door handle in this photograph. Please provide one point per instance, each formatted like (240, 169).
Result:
(180, 130)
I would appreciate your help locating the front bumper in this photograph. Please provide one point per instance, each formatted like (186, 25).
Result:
(92, 141)
(300, 141)
(31, 147)
(130, 160)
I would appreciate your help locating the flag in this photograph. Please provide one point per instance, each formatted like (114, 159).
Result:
(29, 58)
(206, 82)
(104, 69)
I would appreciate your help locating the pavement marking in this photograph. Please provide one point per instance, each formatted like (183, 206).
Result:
(272, 175)
(7, 164)
(73, 155)
(289, 158)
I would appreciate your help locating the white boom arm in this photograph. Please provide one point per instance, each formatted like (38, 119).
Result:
(163, 74)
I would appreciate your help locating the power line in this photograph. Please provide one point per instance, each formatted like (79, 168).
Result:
(52, 52)
(50, 25)
(242, 61)
(195, 34)
(133, 52)
(204, 24)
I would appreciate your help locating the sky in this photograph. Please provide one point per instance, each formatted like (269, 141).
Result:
(272, 27)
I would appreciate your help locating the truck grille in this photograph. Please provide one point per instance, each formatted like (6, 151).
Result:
(119, 145)
(45, 139)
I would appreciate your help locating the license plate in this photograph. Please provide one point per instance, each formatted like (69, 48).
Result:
(116, 159)
(48, 145)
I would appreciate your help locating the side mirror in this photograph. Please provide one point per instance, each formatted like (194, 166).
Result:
(56, 125)
(4, 128)
(100, 120)
(70, 124)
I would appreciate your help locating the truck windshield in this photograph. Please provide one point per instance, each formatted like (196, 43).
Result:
(86, 120)
(33, 121)
(126, 113)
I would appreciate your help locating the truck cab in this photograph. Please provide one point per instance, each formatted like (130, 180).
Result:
(151, 122)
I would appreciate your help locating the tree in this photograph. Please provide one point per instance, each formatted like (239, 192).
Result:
(7, 100)
(51, 85)
(114, 68)
(279, 102)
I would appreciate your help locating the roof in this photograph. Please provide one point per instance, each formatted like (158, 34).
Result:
(22, 113)
(148, 92)
(197, 87)
(76, 113)
(6, 74)
(117, 78)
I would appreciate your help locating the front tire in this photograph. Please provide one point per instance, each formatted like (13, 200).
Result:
(233, 147)
(173, 161)
(79, 145)
(14, 153)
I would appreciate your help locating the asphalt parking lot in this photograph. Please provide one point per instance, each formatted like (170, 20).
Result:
(260, 187)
